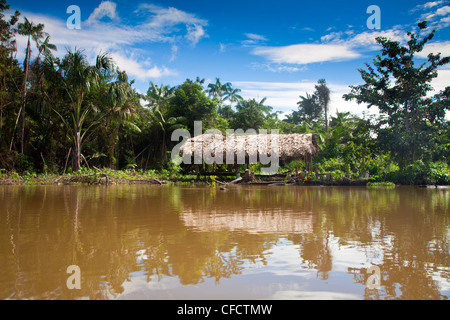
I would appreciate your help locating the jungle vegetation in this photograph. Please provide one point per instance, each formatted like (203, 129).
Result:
(61, 114)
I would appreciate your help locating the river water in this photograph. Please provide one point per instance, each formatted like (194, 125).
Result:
(246, 242)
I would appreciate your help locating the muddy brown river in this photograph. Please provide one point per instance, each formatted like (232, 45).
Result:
(247, 242)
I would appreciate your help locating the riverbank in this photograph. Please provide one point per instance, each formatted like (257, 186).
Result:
(108, 177)
(112, 177)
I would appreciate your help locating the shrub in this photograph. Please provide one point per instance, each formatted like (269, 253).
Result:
(421, 173)
(332, 164)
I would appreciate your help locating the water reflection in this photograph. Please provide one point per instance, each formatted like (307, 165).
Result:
(195, 242)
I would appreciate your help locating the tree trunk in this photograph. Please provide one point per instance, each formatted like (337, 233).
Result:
(25, 83)
(164, 148)
(76, 152)
(1, 123)
(112, 148)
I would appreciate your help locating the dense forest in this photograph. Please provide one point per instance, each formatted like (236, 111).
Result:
(62, 115)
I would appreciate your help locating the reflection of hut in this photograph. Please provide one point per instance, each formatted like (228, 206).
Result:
(250, 221)
(243, 149)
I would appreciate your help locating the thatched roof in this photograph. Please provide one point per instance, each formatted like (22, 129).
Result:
(287, 146)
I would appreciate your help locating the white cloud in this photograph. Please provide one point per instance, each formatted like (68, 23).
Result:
(163, 22)
(169, 16)
(439, 17)
(442, 47)
(335, 46)
(365, 41)
(283, 96)
(195, 33)
(443, 11)
(162, 25)
(340, 45)
(174, 51)
(302, 54)
(253, 39)
(442, 81)
(276, 67)
(427, 5)
(105, 9)
(139, 68)
(254, 36)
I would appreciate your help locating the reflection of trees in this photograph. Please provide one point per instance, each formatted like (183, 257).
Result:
(408, 228)
(316, 254)
(101, 229)
(45, 229)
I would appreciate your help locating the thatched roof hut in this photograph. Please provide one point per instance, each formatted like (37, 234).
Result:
(248, 148)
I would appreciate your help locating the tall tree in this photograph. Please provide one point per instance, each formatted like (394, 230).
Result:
(32, 32)
(45, 47)
(159, 97)
(250, 114)
(121, 104)
(7, 63)
(232, 94)
(323, 96)
(308, 108)
(218, 90)
(192, 104)
(400, 90)
(164, 125)
(79, 78)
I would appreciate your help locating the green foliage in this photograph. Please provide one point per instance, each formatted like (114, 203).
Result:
(294, 164)
(380, 165)
(332, 164)
(440, 172)
(381, 184)
(192, 104)
(24, 164)
(410, 118)
(78, 114)
(422, 173)
(14, 175)
(250, 114)
(308, 108)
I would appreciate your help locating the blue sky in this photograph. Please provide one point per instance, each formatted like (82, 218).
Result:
(273, 49)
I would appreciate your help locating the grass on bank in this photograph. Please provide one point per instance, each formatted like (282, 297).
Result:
(418, 173)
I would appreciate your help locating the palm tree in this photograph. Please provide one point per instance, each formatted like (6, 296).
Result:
(232, 95)
(323, 95)
(343, 126)
(35, 32)
(316, 128)
(122, 103)
(46, 47)
(308, 108)
(78, 79)
(251, 114)
(164, 125)
(218, 90)
(158, 97)
(200, 81)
